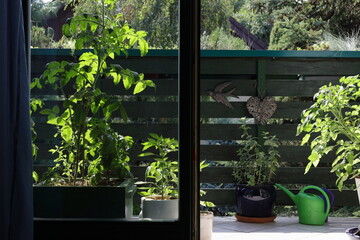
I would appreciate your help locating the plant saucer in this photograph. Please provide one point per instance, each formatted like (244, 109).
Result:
(255, 219)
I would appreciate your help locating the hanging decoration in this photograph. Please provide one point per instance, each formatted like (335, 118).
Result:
(261, 110)
(219, 96)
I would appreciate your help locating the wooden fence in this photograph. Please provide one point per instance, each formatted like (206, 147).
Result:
(291, 77)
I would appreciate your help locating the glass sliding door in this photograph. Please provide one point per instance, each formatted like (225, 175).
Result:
(118, 112)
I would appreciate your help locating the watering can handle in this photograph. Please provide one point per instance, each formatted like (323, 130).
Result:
(323, 193)
(329, 193)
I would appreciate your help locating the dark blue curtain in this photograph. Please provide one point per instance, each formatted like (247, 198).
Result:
(15, 140)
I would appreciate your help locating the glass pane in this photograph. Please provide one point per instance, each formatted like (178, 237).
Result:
(262, 65)
(105, 114)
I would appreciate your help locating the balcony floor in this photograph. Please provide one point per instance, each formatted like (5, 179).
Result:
(283, 228)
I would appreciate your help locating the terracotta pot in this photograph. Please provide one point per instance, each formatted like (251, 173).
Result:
(206, 225)
(357, 182)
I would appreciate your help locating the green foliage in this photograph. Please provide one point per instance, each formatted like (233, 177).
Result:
(290, 25)
(334, 122)
(342, 16)
(114, 156)
(35, 104)
(290, 34)
(41, 11)
(215, 14)
(220, 39)
(203, 192)
(257, 17)
(160, 17)
(162, 171)
(257, 163)
(35, 176)
(157, 17)
(83, 121)
(41, 37)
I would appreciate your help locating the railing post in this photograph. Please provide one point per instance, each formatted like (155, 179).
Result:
(261, 93)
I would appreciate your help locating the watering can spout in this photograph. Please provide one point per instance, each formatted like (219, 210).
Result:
(288, 192)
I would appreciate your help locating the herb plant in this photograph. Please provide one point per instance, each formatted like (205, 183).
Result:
(162, 171)
(333, 120)
(89, 147)
(257, 162)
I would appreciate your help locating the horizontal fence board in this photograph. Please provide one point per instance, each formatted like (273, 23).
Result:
(134, 109)
(288, 154)
(286, 175)
(283, 110)
(226, 196)
(164, 87)
(161, 65)
(224, 66)
(244, 87)
(46, 156)
(312, 67)
(137, 131)
(158, 109)
(304, 88)
(233, 132)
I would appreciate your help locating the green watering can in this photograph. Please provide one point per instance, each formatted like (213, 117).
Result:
(310, 206)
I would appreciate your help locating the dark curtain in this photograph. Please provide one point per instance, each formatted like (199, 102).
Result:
(15, 141)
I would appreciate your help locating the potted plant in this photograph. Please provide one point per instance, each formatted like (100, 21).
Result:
(255, 193)
(160, 196)
(90, 152)
(206, 217)
(334, 120)
(334, 117)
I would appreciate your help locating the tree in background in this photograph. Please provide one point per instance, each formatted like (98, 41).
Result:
(221, 39)
(41, 33)
(157, 17)
(284, 24)
(160, 18)
(290, 24)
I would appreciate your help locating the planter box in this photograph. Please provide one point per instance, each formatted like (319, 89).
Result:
(84, 202)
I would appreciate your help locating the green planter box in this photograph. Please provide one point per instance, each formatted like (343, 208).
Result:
(84, 202)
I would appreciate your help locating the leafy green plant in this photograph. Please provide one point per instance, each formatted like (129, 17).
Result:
(35, 104)
(83, 121)
(333, 120)
(162, 171)
(203, 192)
(257, 162)
(220, 39)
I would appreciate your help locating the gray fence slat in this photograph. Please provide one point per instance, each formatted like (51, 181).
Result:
(226, 196)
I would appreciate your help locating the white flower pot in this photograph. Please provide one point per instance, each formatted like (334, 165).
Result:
(206, 225)
(357, 182)
(159, 209)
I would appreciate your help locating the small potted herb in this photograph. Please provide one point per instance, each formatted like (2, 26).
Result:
(160, 193)
(90, 152)
(254, 172)
(206, 217)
